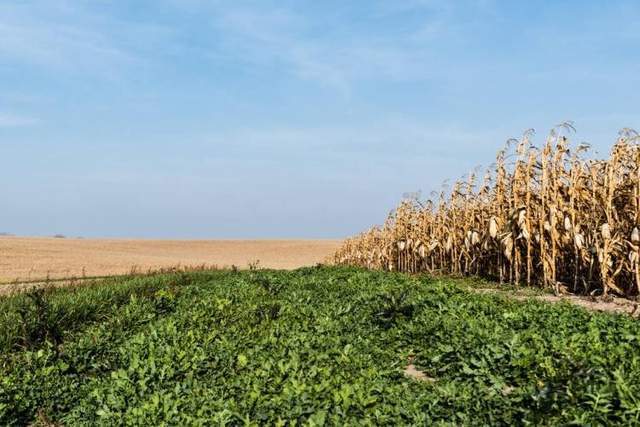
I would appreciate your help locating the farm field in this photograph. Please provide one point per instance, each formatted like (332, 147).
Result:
(313, 346)
(30, 258)
(550, 216)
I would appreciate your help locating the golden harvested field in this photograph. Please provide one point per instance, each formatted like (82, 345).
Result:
(31, 258)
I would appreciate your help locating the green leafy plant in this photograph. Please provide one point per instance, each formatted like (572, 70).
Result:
(315, 346)
(38, 321)
(392, 307)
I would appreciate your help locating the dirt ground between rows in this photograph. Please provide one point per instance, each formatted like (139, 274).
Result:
(611, 304)
(31, 258)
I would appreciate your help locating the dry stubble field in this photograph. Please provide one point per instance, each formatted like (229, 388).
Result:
(33, 258)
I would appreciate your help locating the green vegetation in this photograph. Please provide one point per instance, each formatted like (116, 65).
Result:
(312, 346)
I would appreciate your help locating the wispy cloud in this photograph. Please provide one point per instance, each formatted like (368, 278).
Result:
(68, 36)
(323, 54)
(8, 120)
(276, 38)
(385, 139)
(393, 41)
(87, 37)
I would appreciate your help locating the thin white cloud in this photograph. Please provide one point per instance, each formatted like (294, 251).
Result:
(411, 6)
(386, 138)
(333, 56)
(276, 38)
(335, 51)
(71, 37)
(58, 46)
(84, 37)
(8, 120)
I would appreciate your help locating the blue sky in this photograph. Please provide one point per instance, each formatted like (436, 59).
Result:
(240, 119)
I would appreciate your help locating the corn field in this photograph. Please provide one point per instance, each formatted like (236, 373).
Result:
(549, 216)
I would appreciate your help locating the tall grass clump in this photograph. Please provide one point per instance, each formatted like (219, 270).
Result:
(550, 216)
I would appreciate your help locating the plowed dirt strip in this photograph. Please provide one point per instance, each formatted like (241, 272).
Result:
(27, 259)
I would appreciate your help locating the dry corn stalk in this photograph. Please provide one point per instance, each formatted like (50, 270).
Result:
(549, 217)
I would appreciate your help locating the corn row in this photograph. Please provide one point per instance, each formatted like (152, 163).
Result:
(551, 217)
